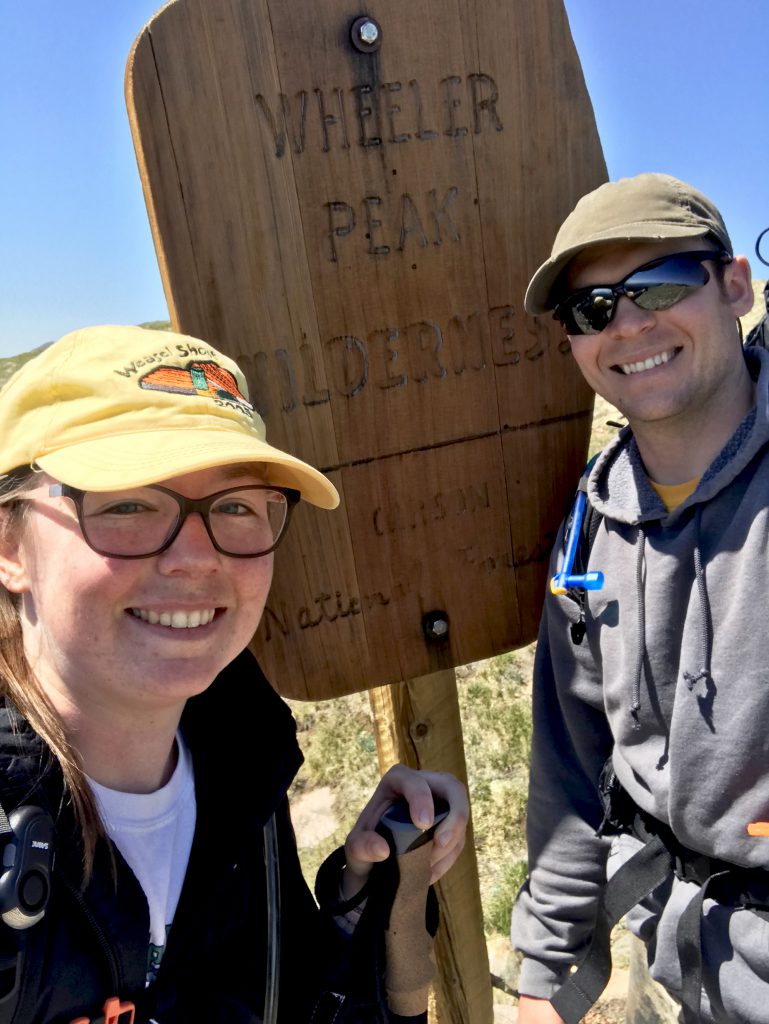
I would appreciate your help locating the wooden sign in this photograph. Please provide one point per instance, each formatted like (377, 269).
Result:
(350, 202)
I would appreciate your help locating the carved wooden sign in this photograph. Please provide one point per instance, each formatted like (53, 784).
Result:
(350, 203)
